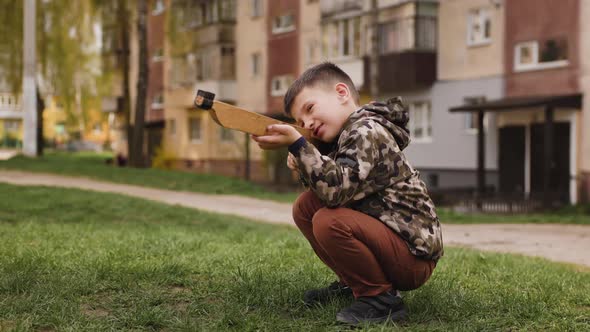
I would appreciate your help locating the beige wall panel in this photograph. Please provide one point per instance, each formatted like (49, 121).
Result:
(457, 60)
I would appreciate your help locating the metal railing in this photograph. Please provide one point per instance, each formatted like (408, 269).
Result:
(497, 202)
(9, 102)
(411, 33)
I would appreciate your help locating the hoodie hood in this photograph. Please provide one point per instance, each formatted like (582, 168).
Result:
(392, 115)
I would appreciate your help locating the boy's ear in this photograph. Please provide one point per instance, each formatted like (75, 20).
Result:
(342, 92)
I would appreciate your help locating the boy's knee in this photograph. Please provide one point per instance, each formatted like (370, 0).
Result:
(303, 204)
(326, 221)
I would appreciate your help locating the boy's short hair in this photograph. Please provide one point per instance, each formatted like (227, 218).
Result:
(325, 72)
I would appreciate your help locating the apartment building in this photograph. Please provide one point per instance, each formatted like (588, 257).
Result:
(310, 35)
(251, 71)
(543, 102)
(154, 114)
(345, 39)
(582, 164)
(11, 130)
(469, 69)
(200, 53)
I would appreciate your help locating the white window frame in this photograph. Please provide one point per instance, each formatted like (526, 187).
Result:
(255, 8)
(280, 26)
(200, 130)
(426, 123)
(159, 7)
(334, 35)
(158, 101)
(478, 16)
(284, 81)
(471, 117)
(535, 64)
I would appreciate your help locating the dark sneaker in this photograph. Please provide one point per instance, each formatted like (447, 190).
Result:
(323, 295)
(374, 309)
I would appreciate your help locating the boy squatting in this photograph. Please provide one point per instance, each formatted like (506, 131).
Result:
(367, 215)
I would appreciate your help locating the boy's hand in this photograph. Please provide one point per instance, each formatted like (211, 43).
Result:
(292, 163)
(278, 136)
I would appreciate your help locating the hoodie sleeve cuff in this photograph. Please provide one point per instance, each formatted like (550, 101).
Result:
(296, 146)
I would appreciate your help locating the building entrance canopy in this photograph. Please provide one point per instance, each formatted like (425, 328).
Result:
(548, 104)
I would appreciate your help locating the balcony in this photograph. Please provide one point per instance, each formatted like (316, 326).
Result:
(224, 90)
(215, 34)
(10, 107)
(333, 7)
(407, 58)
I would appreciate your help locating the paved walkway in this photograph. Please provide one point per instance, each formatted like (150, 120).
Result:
(564, 243)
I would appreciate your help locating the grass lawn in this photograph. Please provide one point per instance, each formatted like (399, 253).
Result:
(75, 260)
(92, 165)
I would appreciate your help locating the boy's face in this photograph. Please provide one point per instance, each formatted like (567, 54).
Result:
(322, 109)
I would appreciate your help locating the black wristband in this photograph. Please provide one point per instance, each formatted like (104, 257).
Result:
(296, 146)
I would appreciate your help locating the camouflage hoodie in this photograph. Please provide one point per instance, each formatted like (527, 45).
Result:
(367, 171)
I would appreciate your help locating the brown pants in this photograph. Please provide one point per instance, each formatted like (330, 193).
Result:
(366, 255)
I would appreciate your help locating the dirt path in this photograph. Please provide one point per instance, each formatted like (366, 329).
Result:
(563, 243)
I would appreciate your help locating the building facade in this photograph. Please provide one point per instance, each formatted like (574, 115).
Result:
(470, 43)
(200, 53)
(538, 118)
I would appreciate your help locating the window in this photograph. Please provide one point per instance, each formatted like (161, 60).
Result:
(433, 180)
(280, 84)
(177, 71)
(420, 121)
(204, 68)
(172, 127)
(255, 64)
(158, 55)
(227, 50)
(342, 38)
(193, 15)
(210, 10)
(158, 101)
(479, 27)
(225, 134)
(470, 123)
(283, 23)
(97, 129)
(60, 128)
(11, 126)
(533, 55)
(194, 130)
(414, 32)
(255, 8)
(227, 10)
(158, 7)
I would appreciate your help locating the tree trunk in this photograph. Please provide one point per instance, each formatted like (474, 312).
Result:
(40, 138)
(124, 56)
(136, 153)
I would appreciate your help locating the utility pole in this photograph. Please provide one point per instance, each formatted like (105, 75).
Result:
(374, 54)
(29, 98)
